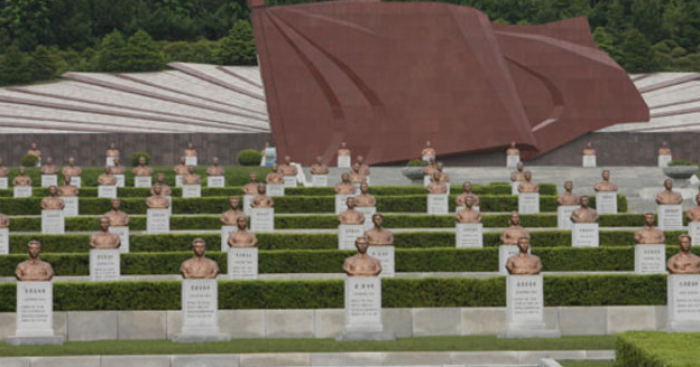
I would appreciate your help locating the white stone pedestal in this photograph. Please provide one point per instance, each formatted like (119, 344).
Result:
(105, 265)
(109, 192)
(589, 161)
(438, 204)
(564, 216)
(347, 234)
(368, 212)
(4, 241)
(170, 204)
(226, 232)
(670, 217)
(525, 308)
(650, 259)
(426, 180)
(191, 161)
(178, 180)
(460, 208)
(585, 235)
(319, 180)
(529, 203)
(341, 203)
(262, 220)
(22, 191)
(385, 255)
(290, 181)
(683, 305)
(606, 202)
(123, 233)
(664, 160)
(216, 181)
(344, 161)
(514, 187)
(34, 315)
(76, 181)
(357, 188)
(53, 222)
(121, 180)
(470, 235)
(505, 252)
(275, 190)
(247, 199)
(200, 312)
(49, 180)
(512, 161)
(243, 263)
(694, 232)
(363, 310)
(191, 191)
(142, 181)
(109, 162)
(71, 206)
(157, 221)
(3, 183)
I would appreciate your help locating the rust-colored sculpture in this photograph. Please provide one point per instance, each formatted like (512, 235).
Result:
(286, 168)
(105, 179)
(4, 221)
(343, 151)
(4, 171)
(684, 262)
(365, 199)
(436, 186)
(518, 174)
(49, 168)
(527, 185)
(104, 239)
(364, 167)
(512, 149)
(34, 270)
(351, 216)
(361, 264)
(117, 218)
(274, 177)
(262, 200)
(466, 193)
(319, 168)
(142, 169)
(230, 216)
(664, 150)
(67, 190)
(694, 213)
(523, 263)
(668, 196)
(22, 179)
(359, 64)
(605, 185)
(568, 198)
(514, 231)
(356, 177)
(344, 187)
(33, 150)
(165, 190)
(428, 151)
(117, 168)
(378, 236)
(71, 170)
(242, 238)
(199, 267)
(112, 152)
(191, 178)
(52, 202)
(251, 188)
(181, 168)
(469, 215)
(584, 214)
(589, 149)
(157, 200)
(215, 169)
(190, 151)
(649, 235)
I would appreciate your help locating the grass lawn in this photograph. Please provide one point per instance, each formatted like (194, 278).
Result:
(448, 343)
(587, 363)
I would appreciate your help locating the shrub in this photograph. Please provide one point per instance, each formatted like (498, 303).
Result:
(29, 160)
(249, 157)
(417, 163)
(134, 158)
(680, 162)
(657, 349)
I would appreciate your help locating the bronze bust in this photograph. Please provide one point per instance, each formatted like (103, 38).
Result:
(361, 264)
(199, 267)
(34, 270)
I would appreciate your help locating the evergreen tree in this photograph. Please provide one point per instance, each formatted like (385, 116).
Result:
(636, 52)
(605, 41)
(142, 53)
(111, 55)
(646, 15)
(43, 64)
(14, 67)
(238, 48)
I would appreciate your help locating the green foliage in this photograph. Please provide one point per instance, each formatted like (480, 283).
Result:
(417, 163)
(656, 349)
(14, 67)
(249, 157)
(595, 290)
(681, 162)
(638, 55)
(200, 51)
(142, 54)
(238, 48)
(43, 64)
(112, 53)
(29, 160)
(134, 158)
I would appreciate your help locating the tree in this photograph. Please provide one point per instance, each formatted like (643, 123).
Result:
(111, 56)
(646, 15)
(605, 41)
(674, 18)
(238, 48)
(636, 52)
(14, 67)
(142, 53)
(43, 64)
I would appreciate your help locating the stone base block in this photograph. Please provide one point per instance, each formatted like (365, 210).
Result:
(201, 338)
(683, 326)
(365, 335)
(529, 334)
(35, 340)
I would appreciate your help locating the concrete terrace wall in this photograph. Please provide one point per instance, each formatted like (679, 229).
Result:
(166, 149)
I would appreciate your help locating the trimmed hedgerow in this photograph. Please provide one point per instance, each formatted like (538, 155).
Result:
(594, 290)
(657, 349)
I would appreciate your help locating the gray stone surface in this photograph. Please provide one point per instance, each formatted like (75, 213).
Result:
(583, 320)
(436, 321)
(142, 325)
(485, 358)
(347, 359)
(273, 360)
(35, 340)
(417, 358)
(399, 321)
(289, 323)
(243, 323)
(140, 361)
(81, 361)
(8, 324)
(93, 325)
(365, 335)
(173, 323)
(205, 360)
(479, 321)
(15, 362)
(197, 338)
(624, 318)
(330, 323)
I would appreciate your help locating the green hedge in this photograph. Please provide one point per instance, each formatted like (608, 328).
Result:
(211, 222)
(619, 258)
(77, 243)
(657, 349)
(285, 204)
(597, 290)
